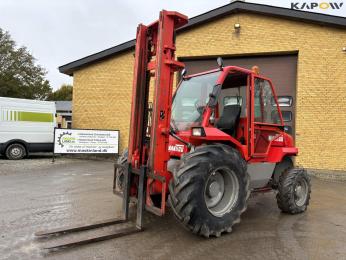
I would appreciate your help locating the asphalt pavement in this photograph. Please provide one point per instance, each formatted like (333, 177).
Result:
(37, 194)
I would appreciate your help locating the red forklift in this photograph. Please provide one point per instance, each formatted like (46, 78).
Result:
(203, 149)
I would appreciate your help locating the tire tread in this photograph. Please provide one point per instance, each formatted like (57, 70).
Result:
(185, 179)
(285, 195)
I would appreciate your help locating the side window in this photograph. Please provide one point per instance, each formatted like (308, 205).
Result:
(265, 110)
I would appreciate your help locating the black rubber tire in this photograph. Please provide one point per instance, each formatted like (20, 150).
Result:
(20, 151)
(286, 191)
(280, 168)
(119, 174)
(188, 184)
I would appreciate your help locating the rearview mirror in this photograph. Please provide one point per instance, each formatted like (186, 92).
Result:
(220, 62)
(183, 72)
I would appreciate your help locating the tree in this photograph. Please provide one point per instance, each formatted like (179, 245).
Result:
(20, 77)
(64, 93)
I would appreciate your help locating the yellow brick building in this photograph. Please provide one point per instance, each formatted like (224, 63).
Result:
(103, 81)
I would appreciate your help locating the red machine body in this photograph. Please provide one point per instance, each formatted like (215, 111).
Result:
(151, 145)
(277, 148)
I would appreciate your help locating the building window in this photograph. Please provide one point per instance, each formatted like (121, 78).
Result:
(232, 100)
(288, 129)
(287, 116)
(284, 101)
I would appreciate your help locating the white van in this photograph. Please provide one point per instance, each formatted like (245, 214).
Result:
(26, 126)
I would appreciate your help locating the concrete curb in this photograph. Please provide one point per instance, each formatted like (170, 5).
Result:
(328, 175)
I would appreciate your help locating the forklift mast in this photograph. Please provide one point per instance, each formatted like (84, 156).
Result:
(148, 152)
(154, 59)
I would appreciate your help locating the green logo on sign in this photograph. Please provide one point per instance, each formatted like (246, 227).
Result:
(66, 138)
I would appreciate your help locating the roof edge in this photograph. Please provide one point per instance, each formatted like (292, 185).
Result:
(69, 68)
(234, 7)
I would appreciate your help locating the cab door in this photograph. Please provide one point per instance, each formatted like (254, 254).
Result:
(265, 115)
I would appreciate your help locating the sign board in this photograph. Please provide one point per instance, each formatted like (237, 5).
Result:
(83, 141)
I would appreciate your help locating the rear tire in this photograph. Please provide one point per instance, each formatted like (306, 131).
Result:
(196, 186)
(280, 168)
(15, 151)
(294, 191)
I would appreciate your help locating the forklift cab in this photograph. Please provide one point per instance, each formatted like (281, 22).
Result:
(238, 102)
(248, 101)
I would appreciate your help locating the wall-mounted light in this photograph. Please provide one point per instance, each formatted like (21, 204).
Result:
(344, 49)
(237, 27)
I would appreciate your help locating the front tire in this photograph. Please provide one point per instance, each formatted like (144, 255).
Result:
(210, 189)
(15, 151)
(294, 191)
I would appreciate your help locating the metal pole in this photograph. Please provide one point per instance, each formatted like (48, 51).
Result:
(53, 159)
(141, 191)
(126, 192)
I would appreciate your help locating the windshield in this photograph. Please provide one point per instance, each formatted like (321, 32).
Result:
(190, 100)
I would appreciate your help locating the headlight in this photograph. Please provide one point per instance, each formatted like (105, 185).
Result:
(198, 131)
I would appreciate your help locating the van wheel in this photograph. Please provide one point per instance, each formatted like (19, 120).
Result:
(15, 152)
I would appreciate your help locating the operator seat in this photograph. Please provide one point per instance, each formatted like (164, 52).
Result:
(229, 119)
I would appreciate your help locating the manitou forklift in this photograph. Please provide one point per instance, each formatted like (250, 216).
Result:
(203, 149)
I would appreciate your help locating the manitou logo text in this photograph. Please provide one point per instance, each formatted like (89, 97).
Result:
(176, 148)
(316, 5)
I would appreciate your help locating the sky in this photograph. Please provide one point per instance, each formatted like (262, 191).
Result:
(57, 32)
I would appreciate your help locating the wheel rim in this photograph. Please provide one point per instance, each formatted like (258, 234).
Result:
(221, 191)
(16, 152)
(301, 192)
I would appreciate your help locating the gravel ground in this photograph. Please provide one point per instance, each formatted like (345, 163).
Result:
(36, 194)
